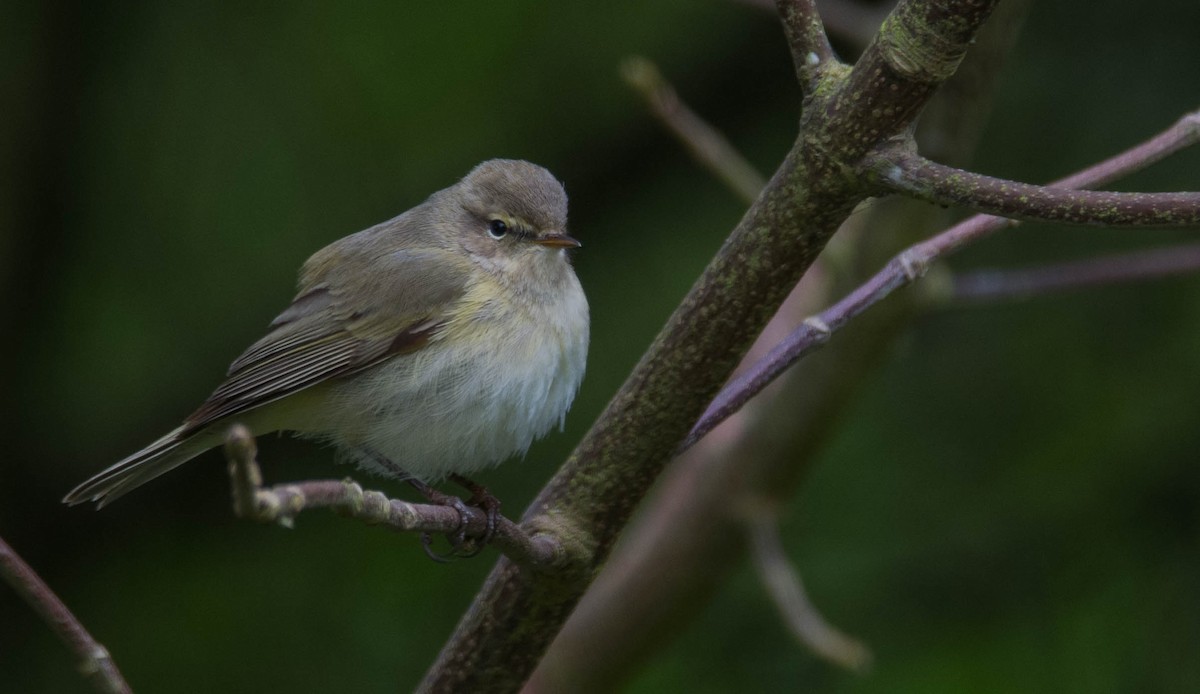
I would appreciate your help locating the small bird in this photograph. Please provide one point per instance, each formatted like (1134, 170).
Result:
(435, 344)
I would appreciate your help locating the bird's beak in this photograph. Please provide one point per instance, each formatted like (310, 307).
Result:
(557, 241)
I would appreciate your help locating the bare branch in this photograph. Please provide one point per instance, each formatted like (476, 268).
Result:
(656, 565)
(280, 504)
(708, 146)
(902, 170)
(787, 591)
(919, 46)
(999, 285)
(806, 39)
(593, 494)
(851, 20)
(93, 659)
(911, 264)
(657, 577)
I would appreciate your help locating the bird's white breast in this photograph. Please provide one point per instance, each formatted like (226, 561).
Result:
(499, 376)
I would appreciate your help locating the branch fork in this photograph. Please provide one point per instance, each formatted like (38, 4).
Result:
(850, 118)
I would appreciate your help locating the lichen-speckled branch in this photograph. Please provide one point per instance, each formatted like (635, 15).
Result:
(902, 170)
(806, 39)
(846, 115)
(911, 264)
(658, 578)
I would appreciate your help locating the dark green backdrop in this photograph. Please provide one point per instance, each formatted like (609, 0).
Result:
(1011, 504)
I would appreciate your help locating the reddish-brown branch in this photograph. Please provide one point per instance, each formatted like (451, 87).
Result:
(912, 264)
(94, 661)
(708, 146)
(783, 584)
(1154, 263)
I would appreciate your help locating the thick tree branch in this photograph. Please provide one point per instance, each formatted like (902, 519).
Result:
(658, 577)
(281, 504)
(620, 621)
(590, 499)
(593, 494)
(93, 659)
(594, 643)
(919, 46)
(911, 264)
(902, 170)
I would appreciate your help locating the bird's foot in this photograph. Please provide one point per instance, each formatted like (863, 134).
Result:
(484, 500)
(460, 545)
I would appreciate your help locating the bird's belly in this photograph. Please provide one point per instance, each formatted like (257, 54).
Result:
(454, 409)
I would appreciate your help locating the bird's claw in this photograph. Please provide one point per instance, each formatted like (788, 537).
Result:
(461, 546)
(484, 500)
(458, 537)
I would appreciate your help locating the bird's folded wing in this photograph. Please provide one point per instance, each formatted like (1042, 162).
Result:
(345, 319)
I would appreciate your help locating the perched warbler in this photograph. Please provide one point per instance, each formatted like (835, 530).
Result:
(436, 343)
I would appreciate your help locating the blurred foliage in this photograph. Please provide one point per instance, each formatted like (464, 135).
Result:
(1012, 504)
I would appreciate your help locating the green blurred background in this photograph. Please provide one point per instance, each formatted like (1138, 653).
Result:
(1012, 503)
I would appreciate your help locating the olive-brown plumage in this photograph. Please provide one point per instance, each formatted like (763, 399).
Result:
(444, 340)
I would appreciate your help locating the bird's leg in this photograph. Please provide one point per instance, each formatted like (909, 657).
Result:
(459, 537)
(483, 499)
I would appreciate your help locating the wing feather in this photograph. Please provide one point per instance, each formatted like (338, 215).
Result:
(400, 301)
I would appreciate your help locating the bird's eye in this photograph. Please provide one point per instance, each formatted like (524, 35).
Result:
(497, 229)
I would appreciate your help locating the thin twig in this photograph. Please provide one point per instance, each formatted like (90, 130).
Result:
(708, 146)
(1154, 263)
(784, 586)
(281, 503)
(911, 264)
(93, 659)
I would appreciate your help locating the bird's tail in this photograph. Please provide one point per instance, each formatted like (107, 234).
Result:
(164, 455)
